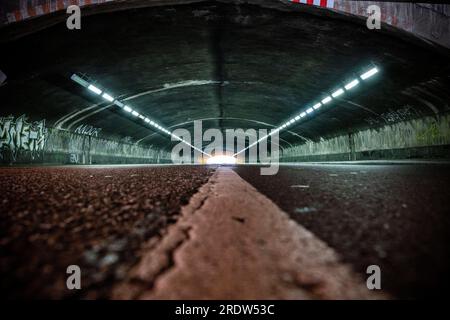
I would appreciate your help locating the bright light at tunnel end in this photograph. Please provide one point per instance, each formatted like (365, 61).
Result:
(230, 160)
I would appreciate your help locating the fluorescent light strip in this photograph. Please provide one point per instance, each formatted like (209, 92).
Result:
(119, 104)
(94, 89)
(369, 73)
(260, 140)
(128, 109)
(326, 100)
(351, 84)
(80, 80)
(107, 97)
(337, 93)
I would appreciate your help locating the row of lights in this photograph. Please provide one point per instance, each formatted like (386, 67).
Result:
(290, 122)
(109, 98)
(316, 106)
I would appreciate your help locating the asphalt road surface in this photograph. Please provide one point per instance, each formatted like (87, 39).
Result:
(393, 216)
(95, 218)
(197, 232)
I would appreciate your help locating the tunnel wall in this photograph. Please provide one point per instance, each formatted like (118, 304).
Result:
(24, 142)
(427, 137)
(427, 21)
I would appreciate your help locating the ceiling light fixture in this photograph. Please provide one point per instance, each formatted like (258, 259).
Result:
(128, 109)
(324, 101)
(337, 93)
(369, 73)
(351, 84)
(107, 97)
(94, 89)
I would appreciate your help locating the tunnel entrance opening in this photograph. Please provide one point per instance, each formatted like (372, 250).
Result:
(222, 159)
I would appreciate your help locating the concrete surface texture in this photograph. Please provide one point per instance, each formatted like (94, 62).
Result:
(82, 146)
(412, 134)
(429, 21)
(426, 20)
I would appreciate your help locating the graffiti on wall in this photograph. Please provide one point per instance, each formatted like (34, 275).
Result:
(430, 133)
(74, 158)
(19, 135)
(87, 130)
(392, 116)
(127, 139)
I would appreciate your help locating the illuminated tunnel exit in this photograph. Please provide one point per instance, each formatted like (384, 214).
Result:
(203, 150)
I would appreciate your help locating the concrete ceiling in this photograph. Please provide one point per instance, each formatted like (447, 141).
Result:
(237, 65)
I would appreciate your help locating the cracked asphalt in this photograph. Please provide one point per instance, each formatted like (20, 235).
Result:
(394, 216)
(97, 218)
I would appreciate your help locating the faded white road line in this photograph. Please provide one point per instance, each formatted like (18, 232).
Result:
(232, 242)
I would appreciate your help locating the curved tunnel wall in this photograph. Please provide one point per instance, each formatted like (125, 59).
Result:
(412, 138)
(24, 141)
(427, 21)
(427, 137)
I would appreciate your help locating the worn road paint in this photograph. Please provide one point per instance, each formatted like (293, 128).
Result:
(207, 254)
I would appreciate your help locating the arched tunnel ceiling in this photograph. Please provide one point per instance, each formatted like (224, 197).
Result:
(236, 65)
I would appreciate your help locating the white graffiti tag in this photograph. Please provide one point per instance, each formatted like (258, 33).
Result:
(88, 130)
(19, 134)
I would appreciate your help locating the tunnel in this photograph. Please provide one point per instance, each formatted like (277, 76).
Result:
(224, 150)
